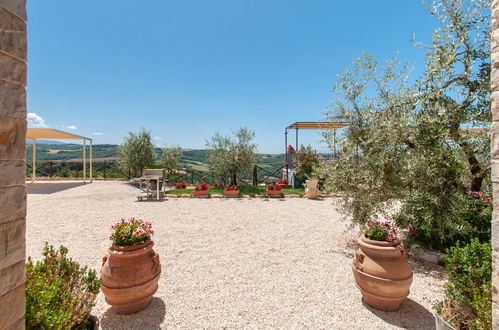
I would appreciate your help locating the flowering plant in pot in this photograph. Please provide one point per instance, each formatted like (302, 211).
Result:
(274, 190)
(131, 269)
(202, 190)
(231, 191)
(284, 183)
(380, 267)
(180, 185)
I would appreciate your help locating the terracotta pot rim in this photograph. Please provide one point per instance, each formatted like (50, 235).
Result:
(132, 247)
(379, 243)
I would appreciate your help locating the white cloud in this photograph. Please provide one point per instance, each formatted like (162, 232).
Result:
(157, 137)
(98, 133)
(35, 120)
(70, 127)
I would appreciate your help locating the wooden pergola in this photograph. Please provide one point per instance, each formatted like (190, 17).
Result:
(311, 125)
(34, 134)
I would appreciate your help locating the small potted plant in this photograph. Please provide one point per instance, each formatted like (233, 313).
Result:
(216, 184)
(180, 185)
(274, 190)
(231, 191)
(131, 269)
(380, 267)
(284, 183)
(202, 190)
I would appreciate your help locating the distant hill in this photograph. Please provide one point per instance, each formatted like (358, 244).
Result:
(191, 158)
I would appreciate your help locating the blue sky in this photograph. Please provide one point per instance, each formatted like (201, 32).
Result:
(185, 69)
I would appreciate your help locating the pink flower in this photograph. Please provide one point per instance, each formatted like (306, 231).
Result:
(138, 232)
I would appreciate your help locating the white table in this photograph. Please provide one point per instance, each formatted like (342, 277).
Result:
(148, 179)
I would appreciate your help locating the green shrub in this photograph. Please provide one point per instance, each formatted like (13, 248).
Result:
(306, 162)
(468, 216)
(468, 302)
(59, 293)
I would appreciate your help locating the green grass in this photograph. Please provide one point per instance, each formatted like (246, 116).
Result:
(245, 190)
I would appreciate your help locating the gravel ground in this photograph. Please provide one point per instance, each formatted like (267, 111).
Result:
(228, 263)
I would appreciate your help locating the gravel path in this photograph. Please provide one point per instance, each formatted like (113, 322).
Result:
(228, 263)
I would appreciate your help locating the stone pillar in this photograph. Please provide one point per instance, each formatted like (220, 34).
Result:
(13, 49)
(495, 160)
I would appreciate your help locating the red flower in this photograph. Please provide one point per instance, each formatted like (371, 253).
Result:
(231, 188)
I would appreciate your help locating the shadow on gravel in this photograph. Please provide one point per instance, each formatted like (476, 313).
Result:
(410, 315)
(50, 187)
(149, 318)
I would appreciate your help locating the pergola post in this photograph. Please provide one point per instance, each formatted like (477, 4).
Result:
(84, 159)
(91, 160)
(296, 149)
(286, 151)
(33, 160)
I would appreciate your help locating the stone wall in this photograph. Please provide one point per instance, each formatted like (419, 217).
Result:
(13, 49)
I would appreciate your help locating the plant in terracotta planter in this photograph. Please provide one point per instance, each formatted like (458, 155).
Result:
(180, 185)
(202, 190)
(380, 267)
(231, 191)
(274, 190)
(131, 269)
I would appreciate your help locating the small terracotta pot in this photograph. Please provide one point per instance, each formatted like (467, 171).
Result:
(275, 193)
(231, 193)
(382, 273)
(201, 193)
(130, 276)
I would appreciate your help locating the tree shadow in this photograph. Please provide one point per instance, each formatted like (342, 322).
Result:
(149, 318)
(410, 315)
(51, 187)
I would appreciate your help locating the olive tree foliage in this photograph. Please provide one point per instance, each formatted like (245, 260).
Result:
(409, 154)
(136, 152)
(171, 157)
(230, 157)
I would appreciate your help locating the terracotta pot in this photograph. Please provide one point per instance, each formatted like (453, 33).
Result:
(274, 193)
(130, 276)
(382, 273)
(312, 189)
(201, 193)
(231, 193)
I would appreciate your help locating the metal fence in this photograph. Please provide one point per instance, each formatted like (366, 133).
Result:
(109, 169)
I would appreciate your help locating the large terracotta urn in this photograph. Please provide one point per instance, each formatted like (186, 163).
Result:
(130, 276)
(382, 273)
(312, 189)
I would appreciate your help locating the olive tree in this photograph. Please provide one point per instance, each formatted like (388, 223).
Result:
(230, 157)
(410, 153)
(136, 152)
(171, 157)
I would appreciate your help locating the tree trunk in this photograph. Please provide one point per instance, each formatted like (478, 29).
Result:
(234, 180)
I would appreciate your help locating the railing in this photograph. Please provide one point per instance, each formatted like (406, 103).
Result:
(73, 169)
(109, 169)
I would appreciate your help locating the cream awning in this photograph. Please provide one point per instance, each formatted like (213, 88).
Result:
(50, 133)
(54, 134)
